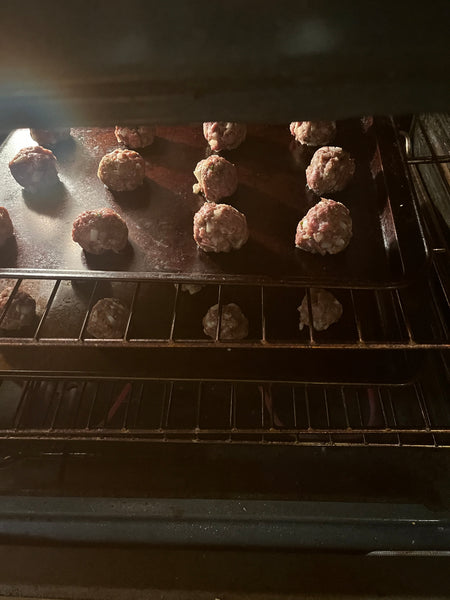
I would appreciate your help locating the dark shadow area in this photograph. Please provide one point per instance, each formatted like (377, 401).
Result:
(175, 155)
(110, 261)
(8, 253)
(65, 150)
(138, 198)
(50, 203)
(24, 332)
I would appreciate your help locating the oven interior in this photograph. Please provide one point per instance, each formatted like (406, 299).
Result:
(164, 464)
(165, 426)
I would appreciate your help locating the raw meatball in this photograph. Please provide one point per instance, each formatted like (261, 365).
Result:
(50, 137)
(330, 170)
(6, 226)
(98, 231)
(34, 169)
(326, 227)
(21, 311)
(108, 319)
(224, 136)
(219, 228)
(122, 170)
(313, 133)
(217, 178)
(326, 310)
(233, 325)
(135, 137)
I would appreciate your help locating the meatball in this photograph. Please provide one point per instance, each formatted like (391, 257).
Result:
(21, 312)
(135, 137)
(34, 169)
(224, 136)
(98, 231)
(217, 178)
(108, 319)
(219, 228)
(6, 226)
(330, 170)
(313, 133)
(326, 227)
(326, 310)
(50, 137)
(122, 170)
(233, 324)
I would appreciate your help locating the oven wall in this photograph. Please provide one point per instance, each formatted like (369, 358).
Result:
(176, 61)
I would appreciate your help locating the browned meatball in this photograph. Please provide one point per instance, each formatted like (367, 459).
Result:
(233, 324)
(330, 170)
(217, 178)
(326, 310)
(135, 137)
(21, 311)
(50, 137)
(122, 170)
(6, 226)
(219, 228)
(224, 136)
(34, 169)
(326, 228)
(313, 133)
(98, 231)
(108, 319)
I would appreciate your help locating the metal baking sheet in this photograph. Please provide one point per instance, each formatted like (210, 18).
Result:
(387, 249)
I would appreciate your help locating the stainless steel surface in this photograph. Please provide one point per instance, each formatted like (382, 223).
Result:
(387, 248)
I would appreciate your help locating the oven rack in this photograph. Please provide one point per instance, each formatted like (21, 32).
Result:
(218, 412)
(162, 315)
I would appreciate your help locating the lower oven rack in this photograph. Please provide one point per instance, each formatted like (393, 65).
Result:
(221, 412)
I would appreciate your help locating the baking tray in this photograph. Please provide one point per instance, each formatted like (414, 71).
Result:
(388, 248)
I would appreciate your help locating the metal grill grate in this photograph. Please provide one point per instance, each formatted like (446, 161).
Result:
(417, 414)
(161, 314)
